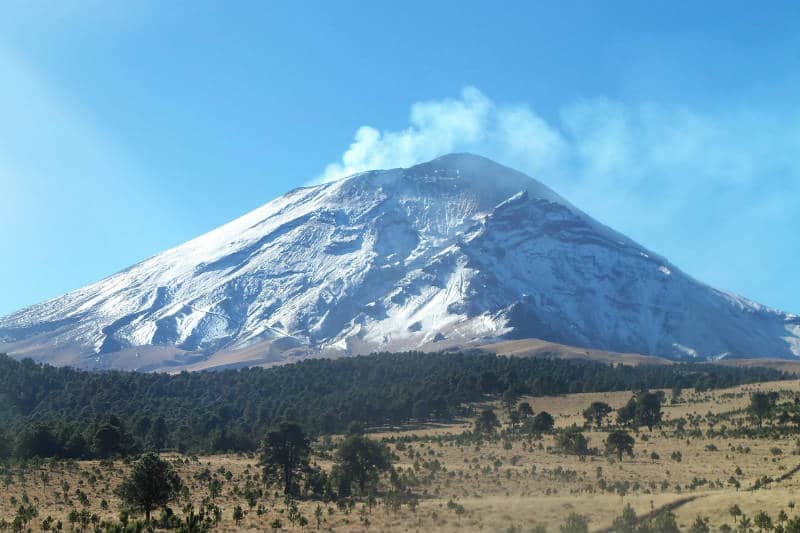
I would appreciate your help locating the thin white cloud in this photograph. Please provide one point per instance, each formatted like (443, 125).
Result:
(695, 185)
(471, 122)
(597, 146)
(437, 127)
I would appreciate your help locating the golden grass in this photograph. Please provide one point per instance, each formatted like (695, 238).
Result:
(498, 487)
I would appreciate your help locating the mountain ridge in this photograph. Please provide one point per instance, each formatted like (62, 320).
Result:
(456, 251)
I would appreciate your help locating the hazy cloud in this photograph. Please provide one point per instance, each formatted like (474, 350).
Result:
(437, 127)
(598, 147)
(695, 185)
(472, 122)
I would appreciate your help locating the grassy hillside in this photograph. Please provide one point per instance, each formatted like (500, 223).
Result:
(708, 456)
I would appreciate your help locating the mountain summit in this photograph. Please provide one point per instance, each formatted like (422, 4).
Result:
(453, 252)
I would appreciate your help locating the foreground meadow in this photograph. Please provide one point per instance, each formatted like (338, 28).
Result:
(698, 463)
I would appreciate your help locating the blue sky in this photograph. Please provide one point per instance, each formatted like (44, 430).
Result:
(130, 127)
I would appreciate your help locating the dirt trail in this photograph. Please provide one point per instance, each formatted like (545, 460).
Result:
(789, 474)
(671, 506)
(783, 477)
(680, 502)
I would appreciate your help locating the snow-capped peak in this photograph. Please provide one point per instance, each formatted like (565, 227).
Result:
(455, 251)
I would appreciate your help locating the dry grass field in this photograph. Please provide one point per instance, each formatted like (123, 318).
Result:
(496, 486)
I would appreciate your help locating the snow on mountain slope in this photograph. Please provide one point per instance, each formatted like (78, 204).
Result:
(456, 251)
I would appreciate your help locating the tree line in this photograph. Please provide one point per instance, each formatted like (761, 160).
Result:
(65, 412)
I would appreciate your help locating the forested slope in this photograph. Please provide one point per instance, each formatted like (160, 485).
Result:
(68, 412)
